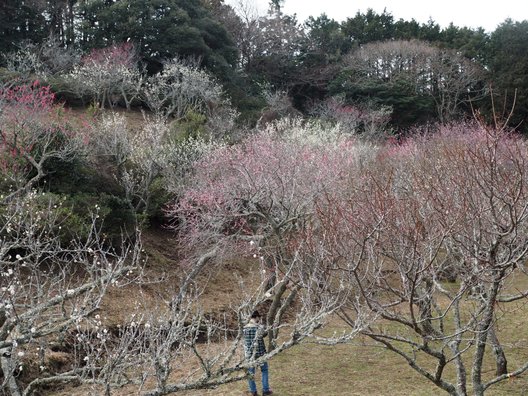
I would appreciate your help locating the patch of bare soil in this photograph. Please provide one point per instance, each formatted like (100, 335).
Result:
(222, 284)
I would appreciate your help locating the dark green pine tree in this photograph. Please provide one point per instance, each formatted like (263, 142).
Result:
(161, 29)
(20, 20)
(368, 27)
(508, 65)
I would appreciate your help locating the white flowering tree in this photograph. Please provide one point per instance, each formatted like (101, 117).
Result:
(146, 161)
(182, 87)
(107, 76)
(48, 286)
(25, 62)
(41, 61)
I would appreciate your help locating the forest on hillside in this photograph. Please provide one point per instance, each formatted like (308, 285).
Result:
(371, 171)
(417, 73)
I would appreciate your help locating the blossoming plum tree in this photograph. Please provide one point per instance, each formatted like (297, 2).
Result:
(258, 198)
(34, 131)
(107, 76)
(453, 203)
(182, 87)
(40, 299)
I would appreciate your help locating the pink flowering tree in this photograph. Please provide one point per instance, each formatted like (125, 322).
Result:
(364, 120)
(449, 205)
(33, 131)
(258, 200)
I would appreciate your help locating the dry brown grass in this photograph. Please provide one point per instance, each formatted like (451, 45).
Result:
(363, 368)
(358, 368)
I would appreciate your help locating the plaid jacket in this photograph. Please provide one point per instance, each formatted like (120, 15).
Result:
(253, 342)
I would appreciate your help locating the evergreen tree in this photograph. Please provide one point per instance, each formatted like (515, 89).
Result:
(508, 64)
(368, 27)
(472, 43)
(161, 29)
(20, 20)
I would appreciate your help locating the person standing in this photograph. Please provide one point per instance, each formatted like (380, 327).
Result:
(254, 348)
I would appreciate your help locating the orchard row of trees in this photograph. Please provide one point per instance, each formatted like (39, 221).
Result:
(359, 59)
(421, 244)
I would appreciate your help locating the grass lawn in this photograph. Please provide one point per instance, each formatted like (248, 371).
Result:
(365, 368)
(353, 369)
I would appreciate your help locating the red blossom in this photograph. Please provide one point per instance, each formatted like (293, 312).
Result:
(31, 125)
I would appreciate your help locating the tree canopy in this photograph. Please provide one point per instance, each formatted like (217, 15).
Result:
(247, 51)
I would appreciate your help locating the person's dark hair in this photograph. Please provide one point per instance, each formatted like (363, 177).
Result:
(255, 315)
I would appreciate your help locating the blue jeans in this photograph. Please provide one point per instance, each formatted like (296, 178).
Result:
(265, 378)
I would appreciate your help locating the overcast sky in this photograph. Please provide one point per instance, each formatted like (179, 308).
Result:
(471, 13)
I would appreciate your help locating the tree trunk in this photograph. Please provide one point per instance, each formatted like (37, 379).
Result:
(482, 334)
(455, 348)
(6, 362)
(272, 312)
(498, 352)
(70, 28)
(425, 307)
